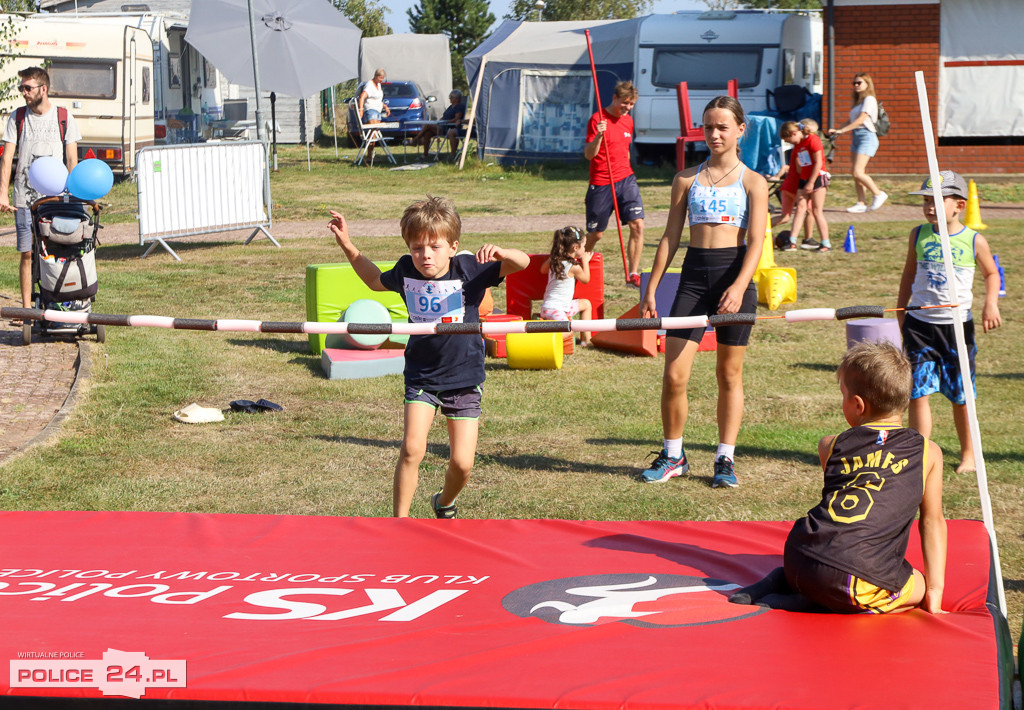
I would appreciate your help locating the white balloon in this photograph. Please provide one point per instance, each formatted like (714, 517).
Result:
(47, 175)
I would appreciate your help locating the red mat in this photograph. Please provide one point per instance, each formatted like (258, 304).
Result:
(495, 613)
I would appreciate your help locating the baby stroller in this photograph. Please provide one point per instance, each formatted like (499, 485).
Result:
(64, 243)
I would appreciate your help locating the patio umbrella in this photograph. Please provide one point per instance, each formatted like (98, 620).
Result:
(303, 46)
(298, 46)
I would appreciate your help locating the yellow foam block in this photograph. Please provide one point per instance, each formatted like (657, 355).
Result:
(776, 286)
(534, 351)
(767, 260)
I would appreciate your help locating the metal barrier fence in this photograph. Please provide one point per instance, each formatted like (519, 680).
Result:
(185, 190)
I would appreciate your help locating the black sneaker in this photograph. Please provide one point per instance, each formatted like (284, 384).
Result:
(725, 474)
(810, 244)
(788, 246)
(444, 513)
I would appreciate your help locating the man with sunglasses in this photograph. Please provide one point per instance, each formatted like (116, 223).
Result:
(34, 132)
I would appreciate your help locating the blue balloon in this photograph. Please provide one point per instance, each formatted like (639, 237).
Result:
(90, 180)
(47, 175)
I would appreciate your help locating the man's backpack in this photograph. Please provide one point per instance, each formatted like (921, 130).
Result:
(882, 125)
(62, 121)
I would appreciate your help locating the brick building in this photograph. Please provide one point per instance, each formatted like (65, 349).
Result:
(972, 58)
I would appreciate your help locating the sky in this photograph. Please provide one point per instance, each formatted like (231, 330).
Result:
(399, 21)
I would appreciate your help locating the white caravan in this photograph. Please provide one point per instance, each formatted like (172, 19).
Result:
(103, 76)
(761, 49)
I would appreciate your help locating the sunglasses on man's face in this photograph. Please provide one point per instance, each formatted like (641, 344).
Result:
(28, 87)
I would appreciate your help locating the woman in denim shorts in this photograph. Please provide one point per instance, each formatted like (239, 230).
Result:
(864, 144)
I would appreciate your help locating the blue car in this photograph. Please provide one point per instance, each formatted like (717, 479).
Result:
(407, 103)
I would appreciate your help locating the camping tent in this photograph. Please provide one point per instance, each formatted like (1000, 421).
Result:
(424, 59)
(537, 93)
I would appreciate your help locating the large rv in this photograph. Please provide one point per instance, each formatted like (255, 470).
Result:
(103, 76)
(762, 50)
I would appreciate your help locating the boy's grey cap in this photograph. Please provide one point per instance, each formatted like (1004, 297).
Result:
(953, 185)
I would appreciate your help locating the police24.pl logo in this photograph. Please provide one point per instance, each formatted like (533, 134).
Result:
(650, 601)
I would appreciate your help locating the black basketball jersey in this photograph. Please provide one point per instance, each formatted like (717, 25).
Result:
(874, 483)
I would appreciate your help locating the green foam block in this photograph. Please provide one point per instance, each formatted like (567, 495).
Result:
(331, 289)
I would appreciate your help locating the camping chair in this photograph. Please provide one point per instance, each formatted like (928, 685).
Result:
(688, 132)
(440, 140)
(789, 98)
(370, 134)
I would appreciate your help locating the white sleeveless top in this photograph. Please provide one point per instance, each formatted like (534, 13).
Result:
(559, 292)
(724, 204)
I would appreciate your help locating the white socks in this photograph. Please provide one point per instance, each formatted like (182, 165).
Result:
(674, 447)
(726, 450)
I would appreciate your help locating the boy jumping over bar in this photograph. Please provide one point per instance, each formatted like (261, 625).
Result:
(446, 371)
(848, 554)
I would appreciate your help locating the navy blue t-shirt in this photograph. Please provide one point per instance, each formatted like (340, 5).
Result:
(444, 362)
(451, 112)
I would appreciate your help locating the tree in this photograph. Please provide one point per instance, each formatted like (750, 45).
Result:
(8, 32)
(367, 15)
(580, 9)
(764, 4)
(464, 22)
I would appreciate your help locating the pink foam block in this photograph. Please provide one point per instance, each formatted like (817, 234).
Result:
(357, 364)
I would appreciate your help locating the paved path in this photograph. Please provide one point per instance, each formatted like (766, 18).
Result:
(38, 383)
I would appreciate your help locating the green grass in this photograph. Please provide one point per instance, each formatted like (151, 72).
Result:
(553, 444)
(481, 188)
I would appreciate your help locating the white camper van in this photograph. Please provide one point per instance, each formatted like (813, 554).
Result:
(103, 76)
(761, 49)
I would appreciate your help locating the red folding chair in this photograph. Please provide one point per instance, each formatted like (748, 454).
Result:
(688, 132)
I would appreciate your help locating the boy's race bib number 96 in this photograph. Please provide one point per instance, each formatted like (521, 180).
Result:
(434, 301)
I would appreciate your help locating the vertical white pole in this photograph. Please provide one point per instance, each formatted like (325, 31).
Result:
(958, 329)
(334, 119)
(472, 111)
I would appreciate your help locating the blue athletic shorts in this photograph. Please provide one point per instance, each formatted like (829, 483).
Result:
(931, 349)
(705, 276)
(600, 208)
(463, 403)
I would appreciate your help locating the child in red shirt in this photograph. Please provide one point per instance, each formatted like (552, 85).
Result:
(808, 164)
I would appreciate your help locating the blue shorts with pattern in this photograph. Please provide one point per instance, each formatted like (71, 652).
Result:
(931, 349)
(462, 403)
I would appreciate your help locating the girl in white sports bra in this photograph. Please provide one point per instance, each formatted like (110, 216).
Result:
(728, 210)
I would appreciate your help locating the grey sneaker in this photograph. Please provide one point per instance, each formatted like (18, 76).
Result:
(810, 244)
(725, 474)
(444, 513)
